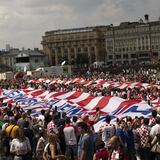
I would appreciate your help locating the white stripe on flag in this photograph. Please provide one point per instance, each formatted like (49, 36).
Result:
(44, 94)
(82, 97)
(93, 103)
(64, 96)
(113, 104)
(49, 95)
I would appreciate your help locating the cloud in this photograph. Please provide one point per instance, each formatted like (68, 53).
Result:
(24, 22)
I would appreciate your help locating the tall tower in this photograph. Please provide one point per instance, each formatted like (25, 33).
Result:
(8, 47)
(146, 17)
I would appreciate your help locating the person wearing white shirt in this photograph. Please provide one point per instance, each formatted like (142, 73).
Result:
(41, 144)
(108, 131)
(156, 128)
(20, 146)
(70, 139)
(41, 118)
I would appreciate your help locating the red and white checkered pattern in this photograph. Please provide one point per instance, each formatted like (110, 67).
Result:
(51, 128)
(143, 133)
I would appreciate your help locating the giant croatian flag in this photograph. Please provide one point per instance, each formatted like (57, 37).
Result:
(75, 103)
(96, 83)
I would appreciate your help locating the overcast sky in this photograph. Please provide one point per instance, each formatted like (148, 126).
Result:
(24, 22)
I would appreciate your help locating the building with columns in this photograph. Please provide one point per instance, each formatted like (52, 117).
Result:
(75, 46)
(127, 43)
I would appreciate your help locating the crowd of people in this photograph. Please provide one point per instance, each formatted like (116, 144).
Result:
(54, 135)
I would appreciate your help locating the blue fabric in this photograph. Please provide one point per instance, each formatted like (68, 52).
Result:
(130, 139)
(121, 134)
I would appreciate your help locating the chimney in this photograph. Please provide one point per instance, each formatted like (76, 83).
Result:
(146, 17)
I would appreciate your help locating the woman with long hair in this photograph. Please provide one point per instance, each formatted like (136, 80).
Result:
(20, 146)
(52, 150)
(42, 141)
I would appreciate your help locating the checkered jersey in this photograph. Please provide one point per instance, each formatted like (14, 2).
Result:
(143, 133)
(52, 128)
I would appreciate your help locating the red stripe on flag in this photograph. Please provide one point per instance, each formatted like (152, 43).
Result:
(57, 94)
(1, 91)
(37, 93)
(74, 96)
(85, 101)
(103, 102)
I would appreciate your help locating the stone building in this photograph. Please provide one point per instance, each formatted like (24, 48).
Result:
(127, 43)
(133, 42)
(75, 46)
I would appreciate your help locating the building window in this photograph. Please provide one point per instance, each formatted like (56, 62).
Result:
(147, 47)
(86, 49)
(118, 56)
(155, 54)
(53, 51)
(125, 62)
(133, 56)
(119, 62)
(36, 60)
(125, 56)
(22, 59)
(72, 50)
(66, 50)
(143, 55)
(110, 57)
(142, 47)
(78, 49)
(133, 62)
(92, 48)
(59, 50)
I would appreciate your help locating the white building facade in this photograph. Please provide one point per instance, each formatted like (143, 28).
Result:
(24, 60)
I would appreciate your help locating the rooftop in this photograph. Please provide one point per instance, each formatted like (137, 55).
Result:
(28, 52)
